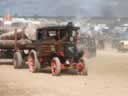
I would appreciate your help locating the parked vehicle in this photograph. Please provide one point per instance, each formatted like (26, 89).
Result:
(123, 42)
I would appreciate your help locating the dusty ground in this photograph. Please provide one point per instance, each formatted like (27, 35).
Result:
(108, 76)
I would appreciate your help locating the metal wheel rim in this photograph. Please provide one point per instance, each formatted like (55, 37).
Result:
(31, 64)
(54, 67)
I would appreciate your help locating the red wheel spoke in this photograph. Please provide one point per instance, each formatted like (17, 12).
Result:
(53, 66)
(31, 64)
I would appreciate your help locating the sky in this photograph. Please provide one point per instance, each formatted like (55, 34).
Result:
(65, 7)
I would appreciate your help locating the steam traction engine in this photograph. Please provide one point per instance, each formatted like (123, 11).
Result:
(55, 47)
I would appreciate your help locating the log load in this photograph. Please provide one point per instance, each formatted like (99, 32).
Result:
(29, 32)
(10, 44)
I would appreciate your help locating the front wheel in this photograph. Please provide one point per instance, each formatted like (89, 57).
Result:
(81, 67)
(55, 66)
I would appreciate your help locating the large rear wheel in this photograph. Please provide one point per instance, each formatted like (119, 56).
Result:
(55, 66)
(33, 62)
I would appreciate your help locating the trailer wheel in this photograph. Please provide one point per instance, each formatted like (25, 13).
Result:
(33, 63)
(81, 67)
(55, 66)
(17, 60)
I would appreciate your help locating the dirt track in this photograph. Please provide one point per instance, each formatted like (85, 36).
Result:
(108, 76)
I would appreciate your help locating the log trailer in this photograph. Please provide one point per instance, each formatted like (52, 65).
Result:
(55, 47)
